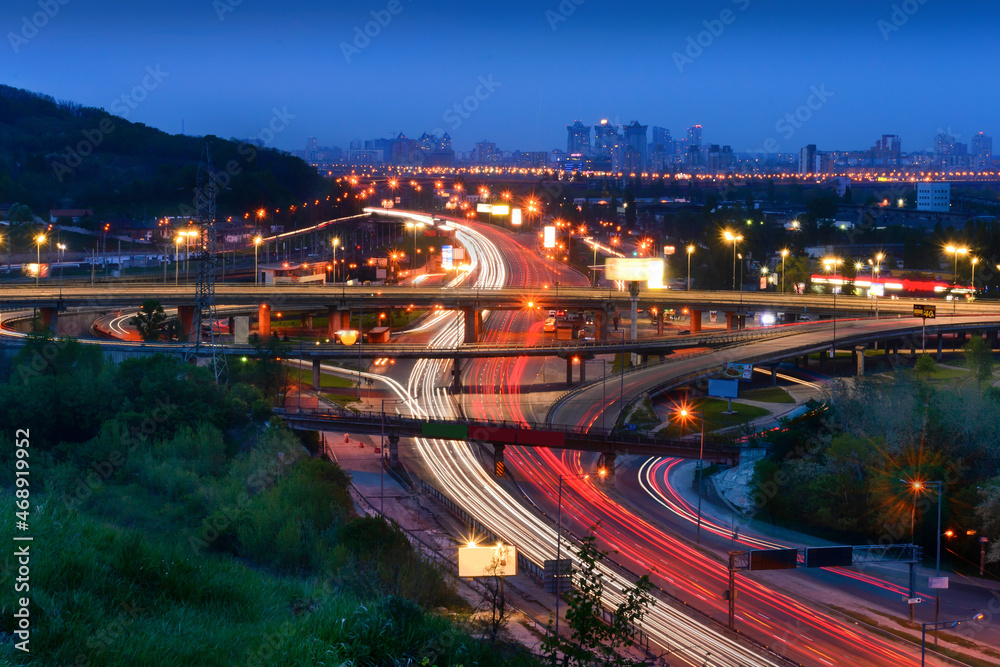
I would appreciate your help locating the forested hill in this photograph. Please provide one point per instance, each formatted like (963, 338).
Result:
(64, 155)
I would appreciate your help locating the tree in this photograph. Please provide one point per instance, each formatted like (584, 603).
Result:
(925, 366)
(594, 641)
(979, 358)
(149, 319)
(494, 599)
(20, 214)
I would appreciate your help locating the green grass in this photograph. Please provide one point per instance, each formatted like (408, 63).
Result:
(768, 395)
(326, 380)
(714, 419)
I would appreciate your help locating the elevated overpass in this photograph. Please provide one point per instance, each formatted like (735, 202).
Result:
(609, 443)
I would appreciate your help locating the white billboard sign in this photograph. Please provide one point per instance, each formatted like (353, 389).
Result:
(501, 209)
(495, 561)
(549, 238)
(515, 216)
(638, 270)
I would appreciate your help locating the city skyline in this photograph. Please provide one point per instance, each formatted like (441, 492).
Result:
(521, 78)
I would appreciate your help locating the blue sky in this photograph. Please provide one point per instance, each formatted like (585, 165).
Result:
(226, 66)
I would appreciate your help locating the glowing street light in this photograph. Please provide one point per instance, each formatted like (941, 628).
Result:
(39, 240)
(956, 252)
(684, 415)
(414, 226)
(690, 251)
(735, 238)
(257, 240)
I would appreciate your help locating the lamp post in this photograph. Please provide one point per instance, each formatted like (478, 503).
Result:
(784, 254)
(414, 226)
(937, 625)
(974, 260)
(177, 265)
(917, 487)
(831, 264)
(39, 240)
(684, 415)
(956, 252)
(877, 268)
(690, 250)
(735, 238)
(335, 242)
(256, 273)
(602, 472)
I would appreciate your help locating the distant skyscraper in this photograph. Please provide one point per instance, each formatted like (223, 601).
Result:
(807, 159)
(635, 147)
(605, 136)
(887, 151)
(578, 139)
(487, 153)
(982, 151)
(694, 135)
(661, 137)
(312, 147)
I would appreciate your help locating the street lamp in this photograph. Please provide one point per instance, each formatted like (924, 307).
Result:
(684, 415)
(784, 254)
(335, 242)
(735, 238)
(917, 486)
(974, 260)
(831, 264)
(876, 269)
(602, 472)
(177, 265)
(935, 626)
(956, 252)
(39, 240)
(690, 250)
(257, 240)
(414, 226)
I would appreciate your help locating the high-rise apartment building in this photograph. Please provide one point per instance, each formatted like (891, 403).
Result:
(578, 138)
(807, 159)
(982, 151)
(887, 151)
(694, 136)
(605, 138)
(635, 147)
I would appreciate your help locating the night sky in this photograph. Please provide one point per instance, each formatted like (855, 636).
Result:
(224, 67)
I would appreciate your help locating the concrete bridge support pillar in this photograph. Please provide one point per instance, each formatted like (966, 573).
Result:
(317, 374)
(859, 358)
(307, 320)
(498, 463)
(991, 338)
(959, 340)
(393, 450)
(774, 375)
(940, 343)
(659, 321)
(601, 320)
(185, 315)
(338, 320)
(263, 320)
(741, 322)
(731, 322)
(583, 371)
(50, 319)
(695, 322)
(473, 324)
(569, 371)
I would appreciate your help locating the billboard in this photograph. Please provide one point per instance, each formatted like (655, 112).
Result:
(458, 253)
(635, 270)
(724, 388)
(484, 208)
(447, 257)
(501, 209)
(774, 559)
(33, 270)
(495, 561)
(515, 216)
(738, 371)
(549, 240)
